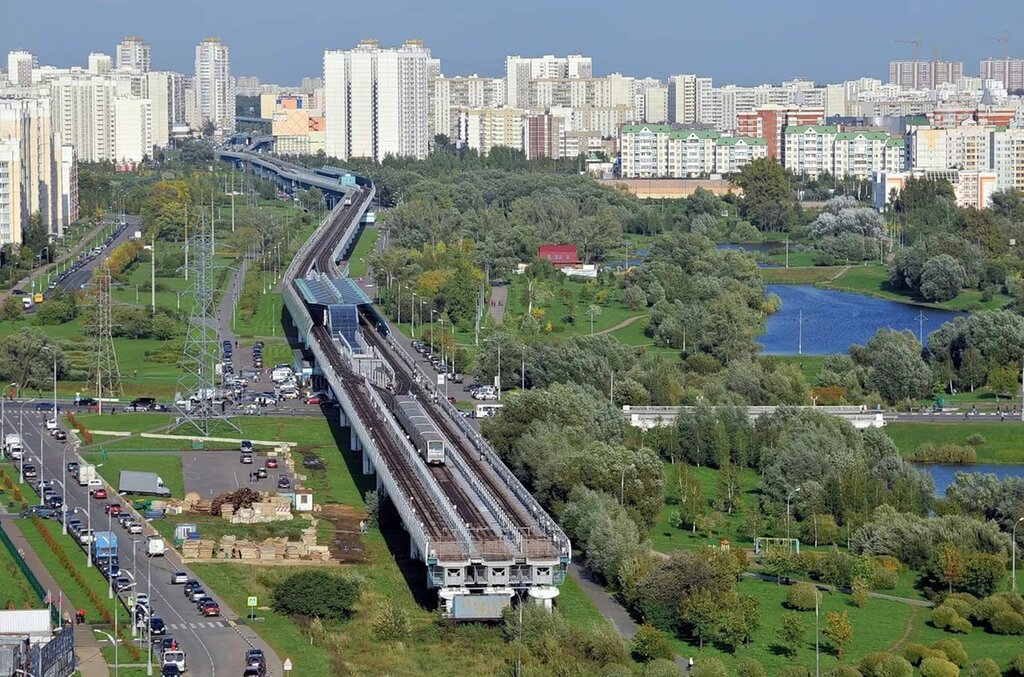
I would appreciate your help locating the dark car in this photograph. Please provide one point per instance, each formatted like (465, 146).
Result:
(255, 658)
(157, 626)
(39, 511)
(283, 482)
(190, 586)
(87, 402)
(254, 671)
(165, 643)
(170, 670)
(30, 471)
(60, 435)
(55, 502)
(123, 583)
(46, 406)
(73, 467)
(313, 463)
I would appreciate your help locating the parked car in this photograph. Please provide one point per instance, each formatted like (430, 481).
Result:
(39, 511)
(313, 399)
(157, 626)
(245, 457)
(112, 509)
(211, 608)
(179, 578)
(313, 463)
(99, 493)
(190, 585)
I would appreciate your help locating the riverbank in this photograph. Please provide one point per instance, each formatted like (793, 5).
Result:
(995, 442)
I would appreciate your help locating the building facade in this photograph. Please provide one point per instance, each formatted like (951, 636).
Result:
(543, 136)
(809, 149)
(486, 128)
(133, 53)
(519, 71)
(1007, 70)
(214, 87)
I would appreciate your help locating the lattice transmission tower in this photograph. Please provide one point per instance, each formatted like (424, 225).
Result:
(105, 376)
(197, 387)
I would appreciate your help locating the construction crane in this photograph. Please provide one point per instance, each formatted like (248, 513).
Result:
(1005, 39)
(916, 42)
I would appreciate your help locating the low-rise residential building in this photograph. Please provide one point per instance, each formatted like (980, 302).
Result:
(859, 153)
(650, 151)
(733, 152)
(809, 149)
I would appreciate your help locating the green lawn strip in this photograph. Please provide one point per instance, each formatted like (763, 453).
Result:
(873, 280)
(359, 260)
(214, 527)
(978, 644)
(93, 578)
(125, 421)
(875, 628)
(149, 444)
(555, 308)
(809, 275)
(167, 466)
(306, 431)
(124, 658)
(797, 258)
(575, 606)
(15, 590)
(633, 334)
(1002, 440)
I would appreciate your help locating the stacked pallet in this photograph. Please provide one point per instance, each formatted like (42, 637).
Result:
(197, 549)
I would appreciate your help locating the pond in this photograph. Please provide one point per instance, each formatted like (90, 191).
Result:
(945, 473)
(815, 321)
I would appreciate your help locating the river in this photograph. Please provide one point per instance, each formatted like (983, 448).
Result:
(826, 321)
(945, 473)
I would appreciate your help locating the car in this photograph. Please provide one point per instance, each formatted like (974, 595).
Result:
(165, 643)
(158, 408)
(190, 585)
(313, 463)
(29, 471)
(271, 463)
(254, 671)
(255, 658)
(313, 399)
(283, 482)
(87, 402)
(157, 626)
(245, 447)
(170, 670)
(74, 524)
(201, 600)
(39, 511)
(134, 528)
(99, 493)
(245, 458)
(60, 435)
(55, 502)
(123, 583)
(179, 578)
(46, 406)
(112, 509)
(196, 593)
(85, 536)
(261, 473)
(73, 467)
(125, 518)
(51, 425)
(211, 608)
(137, 407)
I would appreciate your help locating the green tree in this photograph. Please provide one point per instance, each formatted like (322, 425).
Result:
(942, 278)
(692, 502)
(593, 312)
(11, 309)
(728, 484)
(839, 630)
(649, 644)
(790, 634)
(778, 562)
(1003, 381)
(633, 297)
(316, 594)
(895, 368)
(701, 612)
(767, 194)
(708, 667)
(26, 358)
(950, 564)
(740, 619)
(860, 592)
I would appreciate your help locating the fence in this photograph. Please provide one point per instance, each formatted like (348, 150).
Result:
(32, 580)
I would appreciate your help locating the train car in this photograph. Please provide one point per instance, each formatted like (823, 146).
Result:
(429, 442)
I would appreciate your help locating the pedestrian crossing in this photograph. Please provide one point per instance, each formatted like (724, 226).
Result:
(198, 625)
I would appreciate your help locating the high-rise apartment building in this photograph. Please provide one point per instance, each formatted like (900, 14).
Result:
(924, 74)
(19, 68)
(89, 117)
(1008, 158)
(166, 91)
(769, 122)
(450, 95)
(487, 128)
(133, 54)
(543, 136)
(100, 63)
(376, 100)
(687, 95)
(1008, 71)
(214, 88)
(519, 71)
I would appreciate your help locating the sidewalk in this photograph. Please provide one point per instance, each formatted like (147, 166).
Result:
(90, 661)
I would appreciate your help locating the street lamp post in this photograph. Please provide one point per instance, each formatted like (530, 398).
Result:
(149, 627)
(817, 655)
(134, 582)
(110, 578)
(522, 371)
(21, 461)
(1013, 558)
(412, 312)
(788, 497)
(88, 519)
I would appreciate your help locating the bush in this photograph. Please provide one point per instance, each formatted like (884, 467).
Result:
(649, 644)
(976, 440)
(953, 649)
(964, 603)
(706, 667)
(604, 645)
(844, 671)
(961, 626)
(1017, 665)
(915, 652)
(793, 671)
(884, 579)
(945, 617)
(884, 664)
(938, 667)
(662, 667)
(616, 671)
(391, 623)
(984, 667)
(316, 593)
(946, 453)
(802, 596)
(748, 667)
(1007, 623)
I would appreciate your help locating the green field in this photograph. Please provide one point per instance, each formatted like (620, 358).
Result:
(873, 280)
(1002, 440)
(809, 365)
(167, 466)
(809, 275)
(359, 260)
(215, 527)
(555, 306)
(15, 590)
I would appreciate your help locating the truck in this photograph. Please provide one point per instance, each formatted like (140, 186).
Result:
(104, 546)
(13, 446)
(155, 547)
(142, 483)
(86, 474)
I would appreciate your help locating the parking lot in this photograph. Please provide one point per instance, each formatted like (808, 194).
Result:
(209, 473)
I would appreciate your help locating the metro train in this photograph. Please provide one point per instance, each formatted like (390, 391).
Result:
(429, 442)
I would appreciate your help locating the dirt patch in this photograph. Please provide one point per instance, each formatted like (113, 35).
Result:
(345, 539)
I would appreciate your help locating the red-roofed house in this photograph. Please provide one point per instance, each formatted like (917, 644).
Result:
(559, 255)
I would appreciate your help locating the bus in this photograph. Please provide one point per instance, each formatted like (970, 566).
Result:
(487, 410)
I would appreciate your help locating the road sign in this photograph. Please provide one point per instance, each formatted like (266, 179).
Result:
(251, 600)
(287, 666)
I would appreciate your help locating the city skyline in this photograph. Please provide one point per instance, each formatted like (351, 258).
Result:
(682, 40)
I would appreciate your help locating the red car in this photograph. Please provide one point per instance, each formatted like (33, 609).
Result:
(314, 399)
(99, 494)
(113, 509)
(211, 608)
(271, 462)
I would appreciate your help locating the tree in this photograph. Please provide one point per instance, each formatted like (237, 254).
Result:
(11, 309)
(778, 562)
(649, 644)
(197, 153)
(860, 592)
(790, 634)
(26, 358)
(895, 367)
(701, 612)
(728, 485)
(951, 564)
(942, 278)
(708, 667)
(692, 503)
(740, 619)
(633, 297)
(838, 629)
(1003, 381)
(767, 195)
(316, 594)
(593, 312)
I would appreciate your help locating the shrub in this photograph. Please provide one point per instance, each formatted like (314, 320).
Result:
(884, 579)
(616, 671)
(844, 671)
(945, 617)
(316, 593)
(984, 667)
(915, 652)
(662, 667)
(938, 667)
(748, 667)
(976, 440)
(793, 671)
(649, 643)
(884, 664)
(391, 623)
(860, 593)
(604, 645)
(802, 596)
(953, 649)
(964, 603)
(706, 667)
(1007, 623)
(1017, 665)
(946, 453)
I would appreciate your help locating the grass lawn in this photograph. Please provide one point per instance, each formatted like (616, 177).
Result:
(665, 537)
(1002, 440)
(359, 260)
(216, 527)
(575, 606)
(809, 365)
(167, 466)
(873, 280)
(126, 422)
(93, 578)
(876, 627)
(809, 275)
(15, 590)
(797, 259)
(979, 643)
(556, 306)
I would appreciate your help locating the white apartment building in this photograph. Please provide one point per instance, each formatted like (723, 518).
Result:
(166, 92)
(133, 54)
(809, 149)
(520, 70)
(12, 213)
(967, 146)
(921, 74)
(450, 95)
(376, 100)
(215, 90)
(100, 63)
(489, 127)
(659, 151)
(655, 100)
(971, 187)
(19, 68)
(687, 96)
(133, 129)
(733, 152)
(860, 153)
(1008, 158)
(1007, 70)
(88, 117)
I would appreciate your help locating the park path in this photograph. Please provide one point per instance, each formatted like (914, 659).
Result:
(226, 309)
(499, 297)
(909, 628)
(90, 660)
(842, 271)
(625, 323)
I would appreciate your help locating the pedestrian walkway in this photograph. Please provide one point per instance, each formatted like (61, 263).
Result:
(90, 660)
(499, 296)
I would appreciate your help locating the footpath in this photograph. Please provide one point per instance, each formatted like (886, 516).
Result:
(87, 648)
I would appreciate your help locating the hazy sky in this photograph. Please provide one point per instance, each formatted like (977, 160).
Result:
(741, 41)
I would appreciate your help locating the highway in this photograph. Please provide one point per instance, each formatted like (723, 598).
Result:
(213, 645)
(77, 278)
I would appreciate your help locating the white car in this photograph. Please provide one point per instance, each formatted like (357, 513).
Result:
(51, 424)
(142, 599)
(134, 528)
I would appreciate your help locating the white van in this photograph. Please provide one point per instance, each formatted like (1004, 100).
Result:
(13, 445)
(281, 374)
(175, 657)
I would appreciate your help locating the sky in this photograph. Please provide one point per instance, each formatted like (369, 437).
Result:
(733, 41)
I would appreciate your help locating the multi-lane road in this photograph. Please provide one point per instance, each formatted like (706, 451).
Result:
(77, 278)
(214, 646)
